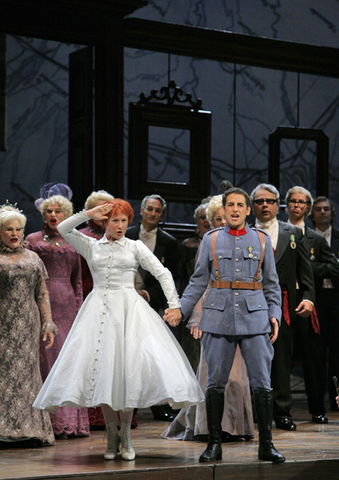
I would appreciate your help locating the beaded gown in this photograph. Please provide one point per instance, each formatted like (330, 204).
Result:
(24, 315)
(64, 285)
(119, 351)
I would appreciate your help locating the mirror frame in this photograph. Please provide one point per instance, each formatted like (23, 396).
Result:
(198, 122)
(298, 133)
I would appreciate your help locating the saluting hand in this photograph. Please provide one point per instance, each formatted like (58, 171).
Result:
(100, 212)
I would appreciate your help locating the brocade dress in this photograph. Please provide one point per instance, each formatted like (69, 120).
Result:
(119, 351)
(24, 315)
(64, 285)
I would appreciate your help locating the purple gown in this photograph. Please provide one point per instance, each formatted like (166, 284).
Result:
(64, 285)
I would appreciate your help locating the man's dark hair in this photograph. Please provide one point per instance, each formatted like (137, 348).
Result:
(223, 186)
(238, 191)
(322, 198)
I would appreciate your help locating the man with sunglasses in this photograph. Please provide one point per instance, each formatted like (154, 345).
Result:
(311, 335)
(292, 263)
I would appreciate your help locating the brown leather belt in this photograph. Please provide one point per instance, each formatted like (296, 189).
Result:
(235, 285)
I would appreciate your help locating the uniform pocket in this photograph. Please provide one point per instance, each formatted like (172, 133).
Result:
(256, 302)
(224, 259)
(216, 300)
(250, 263)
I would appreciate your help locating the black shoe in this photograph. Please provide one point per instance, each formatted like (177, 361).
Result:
(319, 418)
(213, 452)
(268, 452)
(162, 413)
(285, 424)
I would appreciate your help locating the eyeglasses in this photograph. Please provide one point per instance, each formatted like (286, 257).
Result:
(300, 202)
(269, 201)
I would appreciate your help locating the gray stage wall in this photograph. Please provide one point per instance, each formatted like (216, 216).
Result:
(38, 99)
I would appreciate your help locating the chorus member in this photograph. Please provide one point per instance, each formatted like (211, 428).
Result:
(93, 229)
(64, 285)
(187, 258)
(25, 317)
(242, 308)
(119, 353)
(189, 247)
(308, 331)
(237, 419)
(292, 264)
(327, 293)
(165, 248)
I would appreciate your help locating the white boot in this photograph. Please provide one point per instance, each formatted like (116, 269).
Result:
(127, 449)
(113, 441)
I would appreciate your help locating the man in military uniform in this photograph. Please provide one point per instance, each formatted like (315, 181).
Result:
(242, 308)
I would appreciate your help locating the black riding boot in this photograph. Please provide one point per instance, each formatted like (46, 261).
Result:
(215, 409)
(264, 408)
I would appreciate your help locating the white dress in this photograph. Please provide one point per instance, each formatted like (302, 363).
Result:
(119, 351)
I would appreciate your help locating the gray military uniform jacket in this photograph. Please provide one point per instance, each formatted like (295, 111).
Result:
(228, 311)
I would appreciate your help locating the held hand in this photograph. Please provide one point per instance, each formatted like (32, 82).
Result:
(304, 309)
(337, 400)
(275, 329)
(100, 212)
(50, 339)
(196, 332)
(172, 316)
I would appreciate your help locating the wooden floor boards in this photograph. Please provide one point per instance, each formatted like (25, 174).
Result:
(312, 453)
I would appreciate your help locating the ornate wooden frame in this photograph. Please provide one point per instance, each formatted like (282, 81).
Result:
(310, 134)
(147, 113)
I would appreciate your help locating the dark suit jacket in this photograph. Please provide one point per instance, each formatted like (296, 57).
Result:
(292, 264)
(323, 261)
(166, 250)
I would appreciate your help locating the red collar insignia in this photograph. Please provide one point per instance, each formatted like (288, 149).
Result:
(237, 233)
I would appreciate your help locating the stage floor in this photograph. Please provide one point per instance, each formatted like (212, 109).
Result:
(311, 452)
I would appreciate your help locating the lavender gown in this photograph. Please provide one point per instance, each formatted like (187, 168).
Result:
(65, 290)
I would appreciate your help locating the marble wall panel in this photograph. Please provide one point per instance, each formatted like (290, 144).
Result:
(37, 124)
(306, 21)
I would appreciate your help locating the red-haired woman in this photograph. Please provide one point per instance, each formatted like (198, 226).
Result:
(119, 353)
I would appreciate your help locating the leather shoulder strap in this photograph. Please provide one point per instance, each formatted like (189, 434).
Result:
(214, 236)
(262, 239)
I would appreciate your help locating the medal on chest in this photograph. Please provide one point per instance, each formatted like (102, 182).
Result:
(293, 245)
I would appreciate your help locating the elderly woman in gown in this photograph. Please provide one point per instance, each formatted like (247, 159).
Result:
(191, 423)
(25, 317)
(64, 285)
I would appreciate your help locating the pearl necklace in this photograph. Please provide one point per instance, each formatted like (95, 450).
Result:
(57, 244)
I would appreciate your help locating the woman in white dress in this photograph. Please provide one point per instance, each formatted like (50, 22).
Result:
(119, 353)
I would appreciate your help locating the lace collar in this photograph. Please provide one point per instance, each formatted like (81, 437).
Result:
(20, 248)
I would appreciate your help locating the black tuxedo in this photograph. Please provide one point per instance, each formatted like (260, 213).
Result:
(292, 263)
(166, 250)
(328, 313)
(335, 249)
